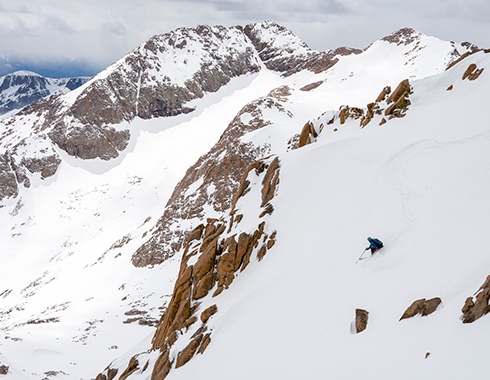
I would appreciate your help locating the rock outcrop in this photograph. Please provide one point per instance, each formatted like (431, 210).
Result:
(388, 105)
(403, 36)
(4, 369)
(282, 51)
(213, 255)
(18, 165)
(421, 307)
(472, 50)
(398, 100)
(347, 112)
(220, 169)
(361, 321)
(311, 86)
(472, 72)
(477, 306)
(307, 135)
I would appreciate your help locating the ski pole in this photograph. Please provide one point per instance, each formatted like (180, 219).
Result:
(361, 256)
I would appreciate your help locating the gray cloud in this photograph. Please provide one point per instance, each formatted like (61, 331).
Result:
(102, 31)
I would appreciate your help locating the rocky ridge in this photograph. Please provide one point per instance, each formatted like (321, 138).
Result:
(387, 105)
(209, 185)
(158, 79)
(214, 254)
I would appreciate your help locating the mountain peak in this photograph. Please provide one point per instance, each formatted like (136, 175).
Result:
(24, 73)
(274, 36)
(403, 36)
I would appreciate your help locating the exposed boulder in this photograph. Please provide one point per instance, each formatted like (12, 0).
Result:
(270, 182)
(472, 72)
(477, 306)
(372, 109)
(311, 86)
(399, 100)
(162, 366)
(383, 94)
(4, 369)
(361, 320)
(421, 307)
(132, 367)
(308, 134)
(206, 314)
(350, 112)
(187, 353)
(402, 89)
(205, 343)
(108, 374)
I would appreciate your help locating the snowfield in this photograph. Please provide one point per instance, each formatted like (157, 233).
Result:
(71, 302)
(420, 185)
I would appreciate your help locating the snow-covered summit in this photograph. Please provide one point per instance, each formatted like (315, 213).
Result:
(24, 73)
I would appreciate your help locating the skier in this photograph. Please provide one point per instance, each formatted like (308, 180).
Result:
(375, 245)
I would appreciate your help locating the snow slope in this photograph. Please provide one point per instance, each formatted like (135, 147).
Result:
(68, 285)
(419, 184)
(67, 242)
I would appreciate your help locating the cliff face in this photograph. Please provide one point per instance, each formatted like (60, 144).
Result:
(209, 185)
(160, 78)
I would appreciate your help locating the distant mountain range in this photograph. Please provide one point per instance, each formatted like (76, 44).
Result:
(58, 68)
(22, 88)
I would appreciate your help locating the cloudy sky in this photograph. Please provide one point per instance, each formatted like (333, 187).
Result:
(99, 32)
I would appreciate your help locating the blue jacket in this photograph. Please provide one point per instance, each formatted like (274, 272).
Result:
(375, 243)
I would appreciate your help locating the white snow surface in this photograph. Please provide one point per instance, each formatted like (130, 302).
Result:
(419, 183)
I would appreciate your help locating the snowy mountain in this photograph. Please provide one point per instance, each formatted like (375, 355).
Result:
(197, 210)
(22, 88)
